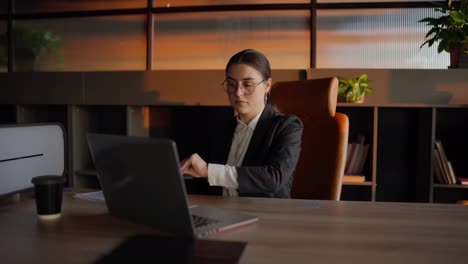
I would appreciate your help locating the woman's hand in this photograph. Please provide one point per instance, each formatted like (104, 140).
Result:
(195, 166)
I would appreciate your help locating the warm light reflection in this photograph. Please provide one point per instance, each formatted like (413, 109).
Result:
(169, 3)
(145, 112)
(366, 1)
(96, 43)
(355, 38)
(207, 40)
(28, 6)
(377, 38)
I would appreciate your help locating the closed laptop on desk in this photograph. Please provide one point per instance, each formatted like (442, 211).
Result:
(142, 182)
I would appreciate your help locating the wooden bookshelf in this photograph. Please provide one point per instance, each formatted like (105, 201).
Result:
(401, 132)
(455, 186)
(366, 183)
(402, 121)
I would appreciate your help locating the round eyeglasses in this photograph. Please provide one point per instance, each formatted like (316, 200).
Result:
(247, 87)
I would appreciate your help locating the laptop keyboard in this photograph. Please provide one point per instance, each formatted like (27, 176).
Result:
(199, 221)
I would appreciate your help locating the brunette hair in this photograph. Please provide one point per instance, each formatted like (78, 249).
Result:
(254, 59)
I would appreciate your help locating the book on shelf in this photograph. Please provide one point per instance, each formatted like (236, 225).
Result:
(438, 170)
(349, 151)
(363, 158)
(445, 163)
(463, 180)
(353, 159)
(354, 178)
(349, 154)
(452, 172)
(356, 158)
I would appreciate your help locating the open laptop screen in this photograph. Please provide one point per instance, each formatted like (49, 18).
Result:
(142, 182)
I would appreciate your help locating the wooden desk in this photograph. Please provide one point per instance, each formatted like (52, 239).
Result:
(289, 231)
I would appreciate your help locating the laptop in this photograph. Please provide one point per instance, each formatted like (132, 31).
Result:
(141, 181)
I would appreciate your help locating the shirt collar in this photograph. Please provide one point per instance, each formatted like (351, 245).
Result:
(252, 124)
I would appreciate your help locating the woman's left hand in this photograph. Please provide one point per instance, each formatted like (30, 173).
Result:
(195, 166)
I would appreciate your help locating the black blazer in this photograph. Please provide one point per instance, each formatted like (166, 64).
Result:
(271, 158)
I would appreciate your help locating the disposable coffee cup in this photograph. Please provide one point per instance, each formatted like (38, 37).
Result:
(48, 192)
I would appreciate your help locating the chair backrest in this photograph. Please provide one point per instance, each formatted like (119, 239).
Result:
(321, 165)
(27, 151)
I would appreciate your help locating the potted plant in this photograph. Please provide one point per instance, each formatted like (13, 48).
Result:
(28, 44)
(450, 30)
(354, 89)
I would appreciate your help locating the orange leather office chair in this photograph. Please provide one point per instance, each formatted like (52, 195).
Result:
(319, 172)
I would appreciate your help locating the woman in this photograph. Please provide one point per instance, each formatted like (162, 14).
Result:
(255, 154)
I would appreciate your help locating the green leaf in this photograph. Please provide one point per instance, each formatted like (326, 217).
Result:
(361, 90)
(432, 31)
(341, 89)
(427, 19)
(450, 27)
(363, 78)
(353, 88)
(368, 90)
(457, 16)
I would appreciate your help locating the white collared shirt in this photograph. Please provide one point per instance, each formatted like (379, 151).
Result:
(226, 175)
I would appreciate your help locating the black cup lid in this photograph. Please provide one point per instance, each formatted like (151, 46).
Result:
(48, 179)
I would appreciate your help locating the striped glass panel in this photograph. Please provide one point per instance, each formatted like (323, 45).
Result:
(368, 1)
(375, 38)
(31, 6)
(169, 3)
(206, 40)
(86, 44)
